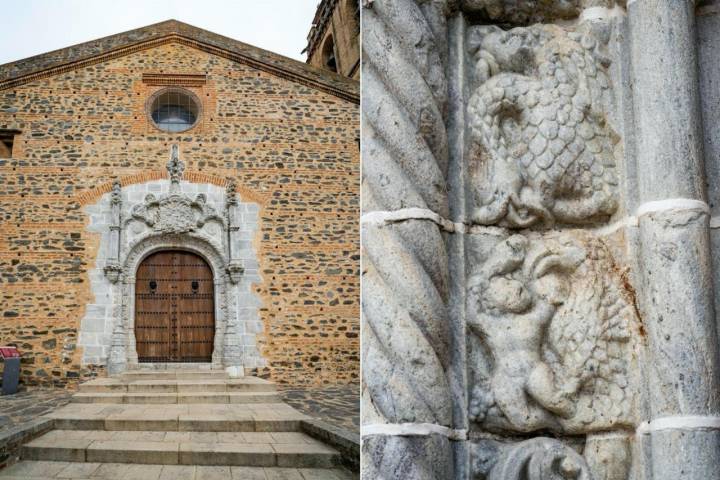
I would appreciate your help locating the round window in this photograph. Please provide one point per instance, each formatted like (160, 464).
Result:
(174, 110)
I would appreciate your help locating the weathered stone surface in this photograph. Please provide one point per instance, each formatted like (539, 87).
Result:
(571, 215)
(536, 459)
(538, 125)
(526, 11)
(552, 334)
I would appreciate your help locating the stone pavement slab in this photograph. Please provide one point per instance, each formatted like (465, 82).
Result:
(260, 449)
(23, 407)
(336, 405)
(267, 417)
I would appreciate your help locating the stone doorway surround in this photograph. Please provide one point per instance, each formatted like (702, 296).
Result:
(140, 219)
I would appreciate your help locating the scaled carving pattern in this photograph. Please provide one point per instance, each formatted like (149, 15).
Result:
(542, 150)
(552, 328)
(535, 459)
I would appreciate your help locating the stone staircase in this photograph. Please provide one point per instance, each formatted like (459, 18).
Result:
(178, 424)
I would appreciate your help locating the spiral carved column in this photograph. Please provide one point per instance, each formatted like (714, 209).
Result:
(405, 345)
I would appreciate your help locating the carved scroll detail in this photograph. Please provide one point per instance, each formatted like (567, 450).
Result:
(538, 127)
(405, 339)
(556, 324)
(535, 459)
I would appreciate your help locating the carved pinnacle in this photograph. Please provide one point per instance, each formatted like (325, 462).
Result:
(115, 193)
(175, 166)
(231, 192)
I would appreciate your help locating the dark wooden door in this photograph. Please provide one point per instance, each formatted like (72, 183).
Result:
(174, 308)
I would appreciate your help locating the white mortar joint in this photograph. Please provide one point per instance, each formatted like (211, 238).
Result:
(670, 205)
(414, 213)
(412, 430)
(680, 422)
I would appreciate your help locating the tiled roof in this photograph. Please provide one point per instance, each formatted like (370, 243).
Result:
(94, 51)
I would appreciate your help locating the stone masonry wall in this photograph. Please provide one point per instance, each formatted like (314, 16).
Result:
(292, 149)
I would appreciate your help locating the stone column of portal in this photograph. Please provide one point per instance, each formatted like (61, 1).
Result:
(682, 368)
(407, 422)
(232, 348)
(234, 267)
(117, 360)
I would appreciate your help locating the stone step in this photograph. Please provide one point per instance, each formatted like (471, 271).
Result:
(182, 423)
(115, 385)
(44, 470)
(176, 397)
(272, 417)
(133, 375)
(256, 449)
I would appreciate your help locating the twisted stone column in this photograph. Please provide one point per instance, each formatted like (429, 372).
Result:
(677, 289)
(407, 407)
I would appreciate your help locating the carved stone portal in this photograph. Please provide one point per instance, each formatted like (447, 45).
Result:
(551, 329)
(200, 218)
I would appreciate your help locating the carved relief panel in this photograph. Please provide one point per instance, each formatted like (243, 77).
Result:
(551, 151)
(551, 334)
(541, 148)
(552, 327)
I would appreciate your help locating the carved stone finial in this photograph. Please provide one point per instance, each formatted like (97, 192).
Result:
(115, 193)
(175, 166)
(231, 192)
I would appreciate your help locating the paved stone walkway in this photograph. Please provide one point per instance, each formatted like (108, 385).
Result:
(336, 405)
(23, 407)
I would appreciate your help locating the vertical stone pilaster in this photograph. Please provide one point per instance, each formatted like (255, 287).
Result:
(675, 262)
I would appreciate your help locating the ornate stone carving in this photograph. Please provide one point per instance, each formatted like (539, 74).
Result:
(231, 192)
(175, 213)
(542, 149)
(175, 166)
(552, 326)
(235, 271)
(113, 271)
(116, 193)
(175, 220)
(535, 459)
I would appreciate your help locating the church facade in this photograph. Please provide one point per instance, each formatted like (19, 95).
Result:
(171, 196)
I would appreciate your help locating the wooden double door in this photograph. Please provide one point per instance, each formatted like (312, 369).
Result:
(174, 308)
